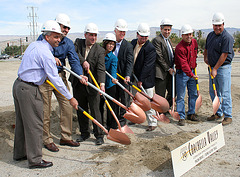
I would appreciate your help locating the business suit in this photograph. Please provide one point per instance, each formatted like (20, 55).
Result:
(144, 69)
(125, 67)
(84, 94)
(163, 79)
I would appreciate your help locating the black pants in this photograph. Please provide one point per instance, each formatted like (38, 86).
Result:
(88, 100)
(110, 122)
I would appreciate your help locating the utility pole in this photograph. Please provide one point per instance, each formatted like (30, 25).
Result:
(33, 22)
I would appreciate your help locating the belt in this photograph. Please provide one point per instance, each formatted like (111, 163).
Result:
(30, 83)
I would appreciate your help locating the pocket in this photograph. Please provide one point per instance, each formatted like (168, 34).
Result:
(38, 95)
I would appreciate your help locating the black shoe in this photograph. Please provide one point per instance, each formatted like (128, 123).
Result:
(20, 159)
(192, 117)
(82, 138)
(42, 164)
(181, 122)
(131, 123)
(99, 141)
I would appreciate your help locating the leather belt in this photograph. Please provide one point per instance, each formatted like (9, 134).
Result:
(30, 83)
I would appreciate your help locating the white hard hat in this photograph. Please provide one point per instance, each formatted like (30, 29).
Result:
(51, 26)
(143, 29)
(63, 19)
(218, 19)
(121, 25)
(186, 29)
(110, 37)
(166, 22)
(91, 28)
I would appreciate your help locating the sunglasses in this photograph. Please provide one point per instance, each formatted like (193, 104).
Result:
(65, 27)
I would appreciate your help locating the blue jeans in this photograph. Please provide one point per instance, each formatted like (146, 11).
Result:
(223, 87)
(183, 81)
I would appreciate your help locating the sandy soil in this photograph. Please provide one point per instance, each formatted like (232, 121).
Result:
(148, 154)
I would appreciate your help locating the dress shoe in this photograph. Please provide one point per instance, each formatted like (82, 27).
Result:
(42, 164)
(151, 128)
(99, 141)
(69, 143)
(192, 117)
(227, 121)
(181, 122)
(20, 159)
(82, 138)
(213, 117)
(51, 147)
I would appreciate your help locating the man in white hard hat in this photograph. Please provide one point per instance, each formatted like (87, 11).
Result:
(65, 50)
(91, 57)
(164, 61)
(185, 61)
(37, 63)
(144, 67)
(124, 53)
(219, 54)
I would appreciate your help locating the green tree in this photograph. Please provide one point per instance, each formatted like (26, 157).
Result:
(174, 38)
(236, 36)
(15, 50)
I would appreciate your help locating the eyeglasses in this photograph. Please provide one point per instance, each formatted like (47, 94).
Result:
(66, 27)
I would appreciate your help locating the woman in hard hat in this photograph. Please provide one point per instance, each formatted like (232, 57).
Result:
(109, 44)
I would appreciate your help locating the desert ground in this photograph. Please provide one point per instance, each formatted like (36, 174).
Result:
(147, 155)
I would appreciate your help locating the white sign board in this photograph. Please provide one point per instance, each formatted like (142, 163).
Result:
(196, 150)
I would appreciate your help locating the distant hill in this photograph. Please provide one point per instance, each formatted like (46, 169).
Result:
(131, 34)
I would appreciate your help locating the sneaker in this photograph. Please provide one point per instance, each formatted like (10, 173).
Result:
(213, 117)
(227, 121)
(99, 141)
(192, 117)
(181, 122)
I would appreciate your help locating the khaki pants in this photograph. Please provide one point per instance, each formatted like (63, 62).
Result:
(65, 111)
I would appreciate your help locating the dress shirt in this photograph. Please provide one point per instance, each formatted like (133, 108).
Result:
(38, 63)
(88, 48)
(65, 50)
(185, 56)
(136, 50)
(118, 45)
(170, 51)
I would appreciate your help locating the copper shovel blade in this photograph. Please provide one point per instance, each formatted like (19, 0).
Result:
(135, 114)
(159, 103)
(142, 102)
(119, 137)
(162, 117)
(216, 104)
(175, 115)
(126, 129)
(198, 103)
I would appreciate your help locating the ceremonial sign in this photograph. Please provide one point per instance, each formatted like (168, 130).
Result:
(196, 150)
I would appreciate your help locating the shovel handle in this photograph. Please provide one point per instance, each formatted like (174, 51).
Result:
(210, 70)
(130, 83)
(81, 109)
(195, 70)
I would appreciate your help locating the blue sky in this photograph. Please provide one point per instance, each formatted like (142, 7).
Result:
(197, 13)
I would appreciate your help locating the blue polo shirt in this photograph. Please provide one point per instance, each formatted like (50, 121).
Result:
(218, 44)
(65, 50)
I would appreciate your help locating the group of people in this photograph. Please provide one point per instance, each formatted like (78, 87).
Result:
(151, 62)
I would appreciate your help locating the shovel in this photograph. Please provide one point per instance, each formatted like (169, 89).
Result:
(199, 99)
(175, 115)
(133, 113)
(113, 135)
(139, 99)
(216, 101)
(160, 117)
(125, 128)
(158, 103)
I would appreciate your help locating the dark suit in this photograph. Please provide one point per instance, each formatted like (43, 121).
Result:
(144, 67)
(163, 80)
(125, 67)
(84, 94)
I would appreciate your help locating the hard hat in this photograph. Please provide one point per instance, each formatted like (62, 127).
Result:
(63, 19)
(110, 37)
(143, 29)
(186, 29)
(91, 28)
(121, 25)
(166, 22)
(218, 19)
(51, 26)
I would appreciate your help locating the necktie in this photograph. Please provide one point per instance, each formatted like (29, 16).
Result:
(170, 54)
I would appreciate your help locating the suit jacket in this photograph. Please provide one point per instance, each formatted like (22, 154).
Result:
(144, 67)
(96, 60)
(125, 59)
(162, 60)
